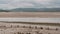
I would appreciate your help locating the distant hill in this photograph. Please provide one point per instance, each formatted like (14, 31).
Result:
(36, 10)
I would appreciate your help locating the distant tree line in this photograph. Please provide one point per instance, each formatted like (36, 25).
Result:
(4, 11)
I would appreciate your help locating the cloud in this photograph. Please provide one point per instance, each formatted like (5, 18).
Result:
(10, 4)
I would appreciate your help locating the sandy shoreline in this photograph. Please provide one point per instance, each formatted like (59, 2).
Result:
(31, 14)
(14, 28)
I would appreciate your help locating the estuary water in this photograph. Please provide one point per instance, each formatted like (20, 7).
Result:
(49, 20)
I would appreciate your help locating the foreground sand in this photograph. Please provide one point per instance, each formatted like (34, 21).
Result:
(21, 28)
(30, 14)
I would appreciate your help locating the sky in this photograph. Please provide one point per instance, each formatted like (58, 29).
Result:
(11, 4)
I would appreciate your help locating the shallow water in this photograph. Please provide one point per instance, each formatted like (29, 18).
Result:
(52, 20)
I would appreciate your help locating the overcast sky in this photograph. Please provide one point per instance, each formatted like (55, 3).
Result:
(10, 4)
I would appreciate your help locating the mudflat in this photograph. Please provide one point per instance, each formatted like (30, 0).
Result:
(31, 14)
